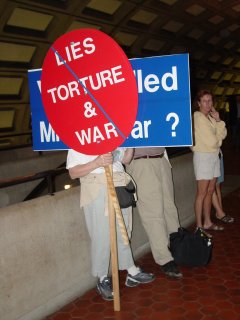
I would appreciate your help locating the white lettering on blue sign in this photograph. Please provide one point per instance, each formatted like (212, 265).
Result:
(47, 134)
(151, 82)
(39, 85)
(164, 110)
(140, 130)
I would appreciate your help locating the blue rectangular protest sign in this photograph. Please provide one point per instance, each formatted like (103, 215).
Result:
(164, 108)
(44, 137)
(164, 113)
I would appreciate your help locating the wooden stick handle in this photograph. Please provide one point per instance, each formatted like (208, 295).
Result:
(113, 243)
(113, 195)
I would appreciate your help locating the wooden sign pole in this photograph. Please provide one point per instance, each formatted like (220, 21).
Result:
(113, 206)
(113, 241)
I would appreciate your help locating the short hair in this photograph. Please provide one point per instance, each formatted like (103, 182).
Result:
(199, 95)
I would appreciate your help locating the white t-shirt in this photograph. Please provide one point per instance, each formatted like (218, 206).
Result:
(75, 158)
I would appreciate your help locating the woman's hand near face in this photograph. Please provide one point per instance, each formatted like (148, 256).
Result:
(214, 114)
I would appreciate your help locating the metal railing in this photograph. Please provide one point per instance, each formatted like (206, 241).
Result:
(48, 177)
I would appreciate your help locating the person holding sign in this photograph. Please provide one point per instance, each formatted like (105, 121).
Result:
(209, 132)
(151, 170)
(94, 200)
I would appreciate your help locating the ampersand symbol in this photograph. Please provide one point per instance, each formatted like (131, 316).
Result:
(89, 111)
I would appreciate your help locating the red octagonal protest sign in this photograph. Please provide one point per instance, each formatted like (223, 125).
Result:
(89, 91)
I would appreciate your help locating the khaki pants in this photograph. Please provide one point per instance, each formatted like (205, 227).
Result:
(98, 227)
(155, 204)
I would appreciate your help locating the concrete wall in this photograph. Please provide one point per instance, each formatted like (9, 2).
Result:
(44, 248)
(185, 187)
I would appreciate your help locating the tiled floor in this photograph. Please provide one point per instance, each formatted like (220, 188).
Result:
(205, 293)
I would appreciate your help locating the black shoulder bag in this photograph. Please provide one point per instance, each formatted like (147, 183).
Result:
(126, 195)
(190, 249)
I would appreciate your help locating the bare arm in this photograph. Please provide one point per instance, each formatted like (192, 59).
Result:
(128, 155)
(82, 170)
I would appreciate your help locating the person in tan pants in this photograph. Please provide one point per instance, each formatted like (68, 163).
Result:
(151, 170)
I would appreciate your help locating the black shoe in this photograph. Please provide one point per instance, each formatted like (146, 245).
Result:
(140, 277)
(104, 288)
(171, 270)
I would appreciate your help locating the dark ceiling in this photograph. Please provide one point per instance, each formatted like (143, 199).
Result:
(208, 30)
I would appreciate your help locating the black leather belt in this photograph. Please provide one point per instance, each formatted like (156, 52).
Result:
(150, 157)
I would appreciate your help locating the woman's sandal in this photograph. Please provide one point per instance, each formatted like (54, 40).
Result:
(226, 219)
(214, 227)
(208, 235)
